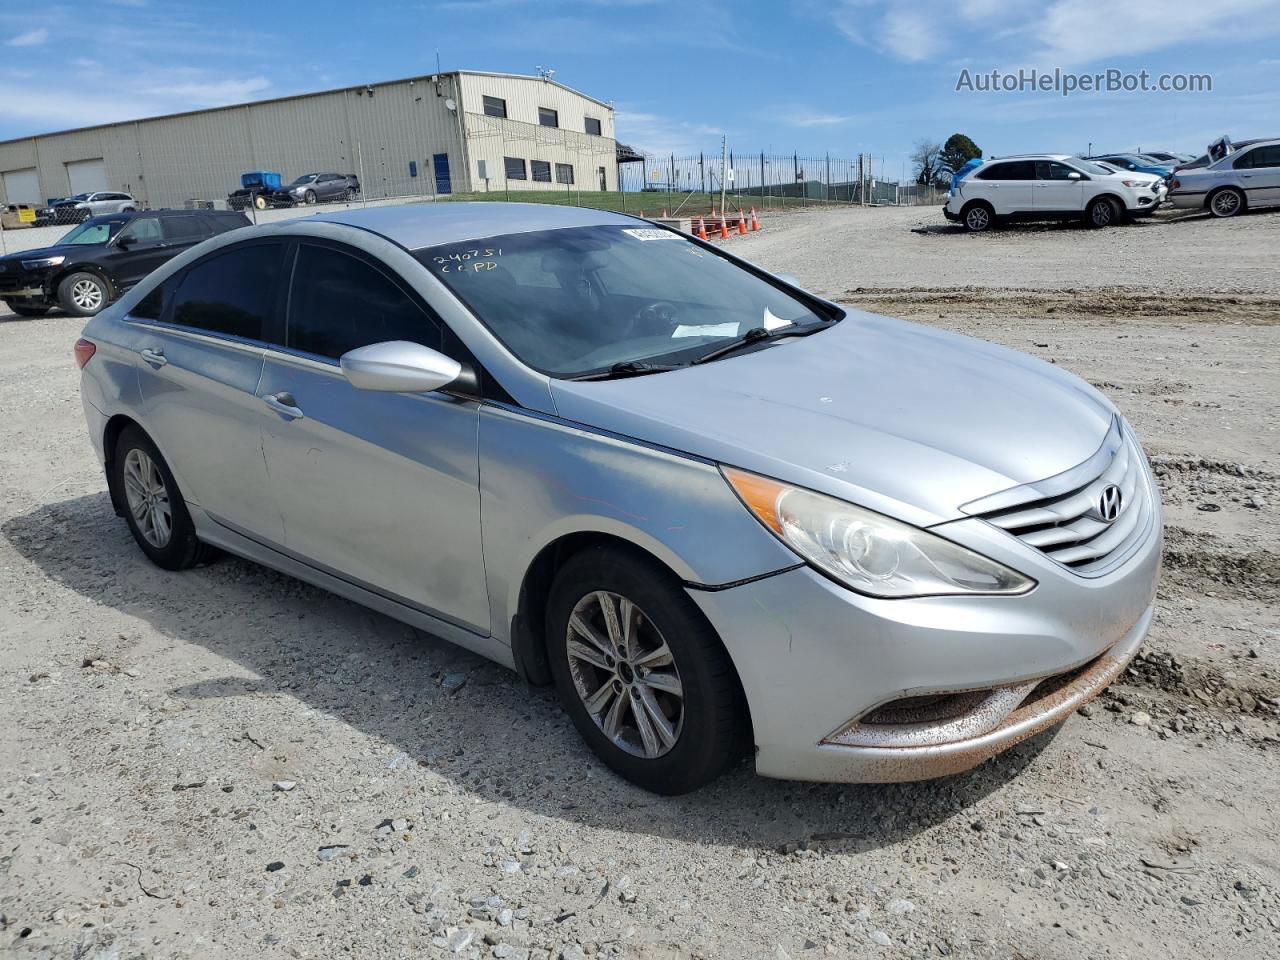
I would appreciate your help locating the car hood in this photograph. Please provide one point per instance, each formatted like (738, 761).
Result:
(900, 418)
(38, 252)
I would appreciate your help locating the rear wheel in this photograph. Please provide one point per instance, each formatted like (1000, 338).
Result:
(154, 508)
(978, 217)
(1102, 212)
(351, 194)
(83, 294)
(641, 672)
(1226, 202)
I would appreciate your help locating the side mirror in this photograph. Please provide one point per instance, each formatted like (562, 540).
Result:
(1075, 175)
(398, 366)
(124, 241)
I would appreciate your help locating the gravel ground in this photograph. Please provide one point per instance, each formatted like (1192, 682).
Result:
(227, 762)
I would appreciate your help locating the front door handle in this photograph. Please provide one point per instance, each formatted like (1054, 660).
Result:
(283, 404)
(154, 357)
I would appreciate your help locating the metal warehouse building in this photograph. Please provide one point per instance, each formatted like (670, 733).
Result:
(436, 134)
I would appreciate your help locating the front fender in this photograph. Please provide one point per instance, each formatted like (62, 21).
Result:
(542, 479)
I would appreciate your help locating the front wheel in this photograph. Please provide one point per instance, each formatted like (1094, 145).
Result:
(154, 508)
(1226, 203)
(641, 672)
(1102, 212)
(309, 197)
(260, 202)
(27, 309)
(83, 294)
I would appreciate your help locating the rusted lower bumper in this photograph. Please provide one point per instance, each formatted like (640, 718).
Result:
(879, 764)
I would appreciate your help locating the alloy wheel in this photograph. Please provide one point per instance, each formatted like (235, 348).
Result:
(978, 218)
(625, 675)
(1226, 203)
(148, 498)
(86, 294)
(1102, 213)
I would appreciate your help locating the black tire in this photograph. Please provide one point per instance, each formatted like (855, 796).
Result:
(182, 549)
(711, 717)
(27, 309)
(1226, 202)
(978, 217)
(129, 210)
(84, 294)
(351, 194)
(1102, 212)
(309, 197)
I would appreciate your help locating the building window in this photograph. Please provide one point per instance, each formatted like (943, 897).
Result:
(593, 126)
(541, 171)
(564, 173)
(515, 168)
(548, 117)
(495, 107)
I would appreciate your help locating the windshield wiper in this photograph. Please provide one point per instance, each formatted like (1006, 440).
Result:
(758, 335)
(629, 368)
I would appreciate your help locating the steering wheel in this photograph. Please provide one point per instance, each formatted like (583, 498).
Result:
(656, 314)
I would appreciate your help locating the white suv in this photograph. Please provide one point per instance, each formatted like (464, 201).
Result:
(1050, 187)
(1250, 177)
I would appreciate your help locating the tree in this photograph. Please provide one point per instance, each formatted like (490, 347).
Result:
(926, 159)
(957, 151)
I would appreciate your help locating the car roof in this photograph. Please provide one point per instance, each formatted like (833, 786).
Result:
(1034, 156)
(429, 224)
(131, 214)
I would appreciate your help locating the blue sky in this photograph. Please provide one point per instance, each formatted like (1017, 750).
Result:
(843, 77)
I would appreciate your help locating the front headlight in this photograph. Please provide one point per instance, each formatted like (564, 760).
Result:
(869, 552)
(42, 263)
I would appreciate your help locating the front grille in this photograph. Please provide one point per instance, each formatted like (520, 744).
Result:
(1064, 517)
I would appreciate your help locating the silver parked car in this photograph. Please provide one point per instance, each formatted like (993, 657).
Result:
(716, 511)
(1247, 178)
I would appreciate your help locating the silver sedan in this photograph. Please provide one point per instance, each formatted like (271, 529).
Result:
(721, 514)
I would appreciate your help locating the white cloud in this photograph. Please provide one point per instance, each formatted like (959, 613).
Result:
(32, 38)
(210, 93)
(661, 136)
(800, 117)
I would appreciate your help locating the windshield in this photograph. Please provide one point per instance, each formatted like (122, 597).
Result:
(93, 232)
(1097, 169)
(305, 178)
(579, 300)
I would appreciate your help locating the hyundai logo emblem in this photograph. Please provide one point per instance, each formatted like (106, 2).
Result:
(1109, 503)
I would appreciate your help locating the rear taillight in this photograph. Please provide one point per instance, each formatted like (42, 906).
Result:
(1176, 183)
(84, 349)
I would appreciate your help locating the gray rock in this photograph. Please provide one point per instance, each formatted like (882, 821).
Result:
(572, 952)
(879, 937)
(453, 682)
(504, 950)
(901, 906)
(460, 939)
(284, 786)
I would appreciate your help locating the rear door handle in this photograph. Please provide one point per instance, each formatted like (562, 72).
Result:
(154, 357)
(283, 404)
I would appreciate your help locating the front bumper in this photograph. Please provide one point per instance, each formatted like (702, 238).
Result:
(18, 283)
(815, 658)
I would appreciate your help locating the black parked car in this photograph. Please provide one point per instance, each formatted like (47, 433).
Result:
(103, 257)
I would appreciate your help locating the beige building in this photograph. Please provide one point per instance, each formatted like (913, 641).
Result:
(435, 134)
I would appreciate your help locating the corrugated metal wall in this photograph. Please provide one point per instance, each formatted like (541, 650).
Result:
(389, 134)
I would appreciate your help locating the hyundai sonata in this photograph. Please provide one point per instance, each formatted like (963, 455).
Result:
(716, 511)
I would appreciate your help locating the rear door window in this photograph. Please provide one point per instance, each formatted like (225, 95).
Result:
(184, 229)
(232, 293)
(1010, 170)
(339, 302)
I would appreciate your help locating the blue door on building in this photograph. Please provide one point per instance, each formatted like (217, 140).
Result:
(443, 184)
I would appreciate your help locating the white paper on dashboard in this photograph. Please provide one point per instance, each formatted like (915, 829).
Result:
(710, 330)
(774, 323)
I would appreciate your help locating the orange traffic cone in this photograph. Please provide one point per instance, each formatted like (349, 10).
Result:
(702, 229)
(664, 213)
(641, 214)
(742, 224)
(755, 224)
(724, 228)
